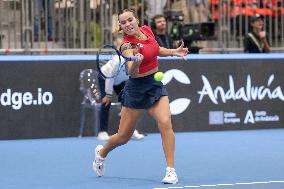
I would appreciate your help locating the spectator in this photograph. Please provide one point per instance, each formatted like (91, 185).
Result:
(194, 11)
(106, 87)
(181, 5)
(256, 40)
(159, 27)
(43, 8)
(154, 7)
(198, 11)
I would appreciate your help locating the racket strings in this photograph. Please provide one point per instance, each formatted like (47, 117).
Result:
(109, 62)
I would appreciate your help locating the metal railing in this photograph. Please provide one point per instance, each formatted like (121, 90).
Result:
(82, 26)
(232, 18)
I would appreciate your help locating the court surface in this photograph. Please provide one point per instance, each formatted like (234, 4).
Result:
(251, 159)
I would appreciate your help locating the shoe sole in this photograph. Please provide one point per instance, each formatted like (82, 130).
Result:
(170, 182)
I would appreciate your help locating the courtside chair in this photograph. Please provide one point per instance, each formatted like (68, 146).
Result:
(91, 100)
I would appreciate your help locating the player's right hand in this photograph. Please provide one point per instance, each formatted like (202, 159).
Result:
(139, 57)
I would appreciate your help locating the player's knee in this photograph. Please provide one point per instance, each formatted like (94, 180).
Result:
(122, 139)
(165, 123)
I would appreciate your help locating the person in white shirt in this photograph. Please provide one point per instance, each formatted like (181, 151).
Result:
(107, 86)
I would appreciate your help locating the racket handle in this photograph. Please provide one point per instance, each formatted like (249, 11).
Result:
(133, 58)
(136, 58)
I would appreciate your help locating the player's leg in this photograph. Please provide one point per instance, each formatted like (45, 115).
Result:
(127, 124)
(136, 135)
(161, 113)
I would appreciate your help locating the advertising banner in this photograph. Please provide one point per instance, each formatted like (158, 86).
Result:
(42, 98)
(225, 94)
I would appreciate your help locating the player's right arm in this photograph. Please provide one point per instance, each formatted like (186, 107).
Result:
(133, 67)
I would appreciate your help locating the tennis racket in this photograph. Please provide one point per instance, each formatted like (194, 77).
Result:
(89, 86)
(110, 61)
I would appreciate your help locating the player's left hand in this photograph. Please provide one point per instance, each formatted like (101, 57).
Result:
(181, 51)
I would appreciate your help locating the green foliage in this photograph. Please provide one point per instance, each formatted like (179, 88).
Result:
(95, 35)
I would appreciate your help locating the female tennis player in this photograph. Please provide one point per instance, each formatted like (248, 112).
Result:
(142, 92)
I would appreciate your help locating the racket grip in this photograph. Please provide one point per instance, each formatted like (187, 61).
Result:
(137, 58)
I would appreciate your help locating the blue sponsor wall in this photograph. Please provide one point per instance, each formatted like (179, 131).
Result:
(40, 96)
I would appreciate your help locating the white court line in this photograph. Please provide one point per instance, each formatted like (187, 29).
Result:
(228, 184)
(225, 184)
(249, 183)
(208, 185)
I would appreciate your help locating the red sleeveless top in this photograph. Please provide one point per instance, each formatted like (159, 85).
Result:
(149, 48)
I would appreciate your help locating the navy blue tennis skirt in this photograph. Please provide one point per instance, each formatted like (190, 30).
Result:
(142, 93)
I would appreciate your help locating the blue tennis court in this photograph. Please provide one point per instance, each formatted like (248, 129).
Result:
(251, 159)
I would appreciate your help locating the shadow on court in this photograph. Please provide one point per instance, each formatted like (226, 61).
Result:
(225, 160)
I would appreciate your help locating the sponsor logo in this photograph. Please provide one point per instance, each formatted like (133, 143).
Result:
(246, 93)
(259, 116)
(220, 95)
(220, 117)
(17, 99)
(216, 118)
(179, 105)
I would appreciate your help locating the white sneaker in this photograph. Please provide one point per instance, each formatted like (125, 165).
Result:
(137, 136)
(171, 176)
(103, 136)
(98, 163)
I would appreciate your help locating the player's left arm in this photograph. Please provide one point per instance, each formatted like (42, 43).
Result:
(181, 51)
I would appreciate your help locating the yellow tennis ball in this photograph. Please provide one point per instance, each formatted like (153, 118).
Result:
(158, 76)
